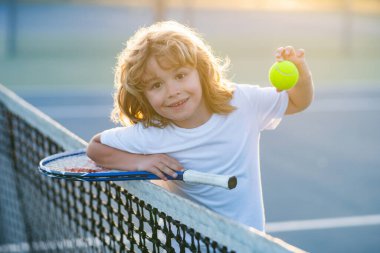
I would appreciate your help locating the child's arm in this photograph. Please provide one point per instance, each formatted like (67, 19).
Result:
(112, 158)
(301, 95)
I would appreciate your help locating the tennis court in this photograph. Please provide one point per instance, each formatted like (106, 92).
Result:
(319, 168)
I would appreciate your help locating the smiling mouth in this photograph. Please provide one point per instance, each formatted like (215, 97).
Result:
(179, 103)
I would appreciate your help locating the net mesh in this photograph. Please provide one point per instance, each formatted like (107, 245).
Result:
(41, 214)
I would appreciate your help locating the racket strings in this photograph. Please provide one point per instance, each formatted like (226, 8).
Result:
(75, 164)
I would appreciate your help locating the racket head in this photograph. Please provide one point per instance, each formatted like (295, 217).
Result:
(76, 165)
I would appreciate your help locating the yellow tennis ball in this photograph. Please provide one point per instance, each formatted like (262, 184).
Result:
(283, 75)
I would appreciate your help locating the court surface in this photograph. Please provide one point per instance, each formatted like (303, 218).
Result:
(320, 168)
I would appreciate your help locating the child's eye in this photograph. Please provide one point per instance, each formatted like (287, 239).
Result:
(180, 76)
(156, 85)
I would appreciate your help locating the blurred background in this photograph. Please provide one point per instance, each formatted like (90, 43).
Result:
(320, 168)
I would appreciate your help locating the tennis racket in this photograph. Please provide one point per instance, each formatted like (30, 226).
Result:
(76, 165)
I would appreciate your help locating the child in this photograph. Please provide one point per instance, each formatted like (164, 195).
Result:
(180, 113)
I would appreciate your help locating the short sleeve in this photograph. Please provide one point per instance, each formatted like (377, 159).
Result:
(271, 107)
(123, 138)
(268, 104)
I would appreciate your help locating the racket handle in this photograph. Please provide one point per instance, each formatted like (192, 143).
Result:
(191, 176)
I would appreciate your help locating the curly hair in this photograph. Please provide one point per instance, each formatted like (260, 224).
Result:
(176, 45)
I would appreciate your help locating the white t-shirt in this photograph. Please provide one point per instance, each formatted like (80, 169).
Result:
(225, 144)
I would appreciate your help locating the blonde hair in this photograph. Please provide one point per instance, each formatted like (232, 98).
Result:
(176, 45)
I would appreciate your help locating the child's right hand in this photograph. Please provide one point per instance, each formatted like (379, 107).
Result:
(112, 158)
(160, 164)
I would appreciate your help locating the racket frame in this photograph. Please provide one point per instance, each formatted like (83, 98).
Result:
(190, 176)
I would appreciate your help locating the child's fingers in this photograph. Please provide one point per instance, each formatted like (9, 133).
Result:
(279, 50)
(279, 53)
(168, 161)
(171, 163)
(158, 173)
(160, 165)
(283, 53)
(300, 52)
(289, 51)
(167, 169)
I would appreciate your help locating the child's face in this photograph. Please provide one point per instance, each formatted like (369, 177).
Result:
(176, 94)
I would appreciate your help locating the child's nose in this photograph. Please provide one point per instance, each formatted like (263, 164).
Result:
(173, 89)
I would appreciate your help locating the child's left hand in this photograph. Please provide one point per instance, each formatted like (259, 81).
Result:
(301, 95)
(297, 56)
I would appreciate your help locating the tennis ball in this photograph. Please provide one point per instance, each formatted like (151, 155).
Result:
(283, 75)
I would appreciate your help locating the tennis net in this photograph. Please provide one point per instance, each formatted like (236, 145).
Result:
(41, 214)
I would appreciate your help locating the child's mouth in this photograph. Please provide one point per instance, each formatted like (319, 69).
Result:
(179, 103)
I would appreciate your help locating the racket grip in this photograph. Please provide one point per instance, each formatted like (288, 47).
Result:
(191, 176)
